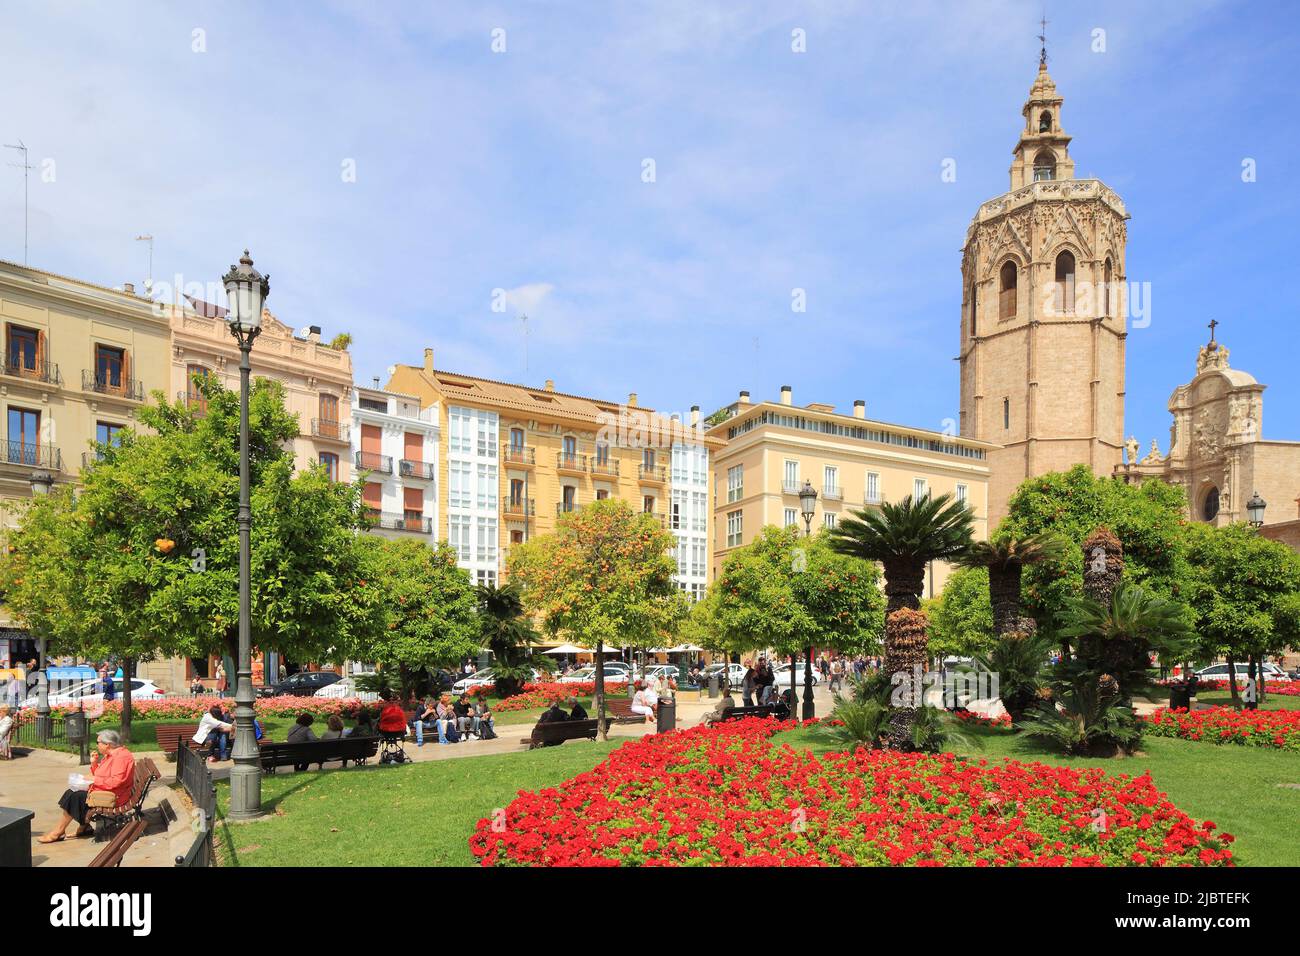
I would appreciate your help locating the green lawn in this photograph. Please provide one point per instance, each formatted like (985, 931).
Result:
(415, 815)
(1239, 788)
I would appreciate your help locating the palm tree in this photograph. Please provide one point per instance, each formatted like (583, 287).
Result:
(904, 538)
(1005, 559)
(507, 633)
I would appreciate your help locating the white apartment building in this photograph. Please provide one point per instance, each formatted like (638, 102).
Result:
(473, 490)
(395, 444)
(688, 517)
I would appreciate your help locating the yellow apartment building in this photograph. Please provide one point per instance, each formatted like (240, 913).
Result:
(80, 360)
(771, 448)
(513, 458)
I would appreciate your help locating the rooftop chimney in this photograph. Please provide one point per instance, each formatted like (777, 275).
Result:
(744, 397)
(128, 288)
(313, 333)
(428, 361)
(859, 408)
(631, 399)
(376, 381)
(550, 385)
(695, 416)
(787, 395)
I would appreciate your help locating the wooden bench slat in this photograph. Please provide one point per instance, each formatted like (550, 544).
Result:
(112, 854)
(356, 749)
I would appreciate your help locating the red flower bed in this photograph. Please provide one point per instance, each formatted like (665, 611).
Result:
(1288, 689)
(979, 720)
(537, 696)
(190, 709)
(1276, 729)
(725, 796)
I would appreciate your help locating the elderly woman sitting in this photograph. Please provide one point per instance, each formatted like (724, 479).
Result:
(112, 770)
(6, 730)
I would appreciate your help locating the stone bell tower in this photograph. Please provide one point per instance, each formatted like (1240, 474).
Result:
(1043, 312)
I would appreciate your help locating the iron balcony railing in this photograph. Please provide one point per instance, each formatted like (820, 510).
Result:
(416, 469)
(657, 473)
(336, 431)
(92, 381)
(519, 454)
(607, 466)
(563, 507)
(568, 461)
(833, 494)
(33, 456)
(396, 522)
(520, 506)
(369, 461)
(791, 487)
(33, 371)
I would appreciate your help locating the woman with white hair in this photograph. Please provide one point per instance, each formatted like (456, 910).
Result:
(6, 729)
(112, 772)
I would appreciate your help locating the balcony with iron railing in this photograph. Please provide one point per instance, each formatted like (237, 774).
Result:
(833, 494)
(18, 367)
(564, 507)
(194, 401)
(128, 388)
(416, 469)
(331, 430)
(605, 466)
(653, 473)
(31, 455)
(791, 487)
(518, 507)
(379, 464)
(404, 522)
(571, 463)
(524, 455)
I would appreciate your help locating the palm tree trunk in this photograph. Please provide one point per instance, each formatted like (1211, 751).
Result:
(1004, 594)
(904, 582)
(599, 693)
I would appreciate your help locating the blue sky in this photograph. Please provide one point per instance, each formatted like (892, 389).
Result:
(522, 170)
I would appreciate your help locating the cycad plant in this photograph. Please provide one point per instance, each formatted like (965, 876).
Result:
(1020, 661)
(1005, 558)
(1089, 722)
(508, 634)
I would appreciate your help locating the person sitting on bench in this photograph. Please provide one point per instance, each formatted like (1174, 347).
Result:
(447, 732)
(302, 733)
(640, 705)
(483, 723)
(424, 718)
(720, 711)
(112, 772)
(6, 728)
(464, 717)
(365, 726)
(576, 712)
(214, 733)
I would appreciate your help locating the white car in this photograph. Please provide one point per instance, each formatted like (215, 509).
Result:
(782, 675)
(479, 678)
(583, 675)
(735, 673)
(666, 671)
(91, 692)
(345, 688)
(1220, 672)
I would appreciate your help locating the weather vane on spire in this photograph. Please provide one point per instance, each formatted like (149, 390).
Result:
(1042, 38)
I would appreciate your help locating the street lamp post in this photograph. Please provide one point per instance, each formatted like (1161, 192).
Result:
(808, 506)
(1255, 510)
(246, 291)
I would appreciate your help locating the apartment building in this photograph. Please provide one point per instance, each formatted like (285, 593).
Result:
(513, 458)
(395, 447)
(80, 360)
(317, 378)
(772, 448)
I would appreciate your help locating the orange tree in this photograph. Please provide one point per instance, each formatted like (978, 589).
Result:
(604, 576)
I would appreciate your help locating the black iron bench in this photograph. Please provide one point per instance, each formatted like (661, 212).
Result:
(112, 854)
(558, 731)
(106, 820)
(278, 754)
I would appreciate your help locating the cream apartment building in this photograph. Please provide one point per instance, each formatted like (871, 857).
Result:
(80, 360)
(772, 448)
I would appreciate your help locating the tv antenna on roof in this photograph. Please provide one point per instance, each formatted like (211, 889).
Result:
(148, 283)
(523, 321)
(25, 167)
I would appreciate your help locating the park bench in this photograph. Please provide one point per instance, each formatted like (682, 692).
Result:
(618, 710)
(170, 737)
(558, 731)
(111, 855)
(108, 819)
(356, 749)
(779, 711)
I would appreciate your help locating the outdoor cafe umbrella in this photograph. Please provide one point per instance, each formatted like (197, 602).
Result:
(568, 649)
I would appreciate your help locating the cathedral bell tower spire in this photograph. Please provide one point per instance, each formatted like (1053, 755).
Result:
(1043, 151)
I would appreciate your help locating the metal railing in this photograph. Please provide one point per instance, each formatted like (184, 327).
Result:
(604, 467)
(193, 400)
(416, 469)
(325, 428)
(32, 456)
(570, 461)
(192, 774)
(36, 372)
(833, 494)
(369, 461)
(791, 487)
(92, 381)
(657, 473)
(396, 522)
(564, 507)
(519, 506)
(519, 454)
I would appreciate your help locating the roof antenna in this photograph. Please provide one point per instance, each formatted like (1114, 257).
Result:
(148, 283)
(523, 321)
(25, 167)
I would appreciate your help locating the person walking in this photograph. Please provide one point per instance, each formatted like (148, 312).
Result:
(748, 685)
(221, 680)
(837, 675)
(1250, 694)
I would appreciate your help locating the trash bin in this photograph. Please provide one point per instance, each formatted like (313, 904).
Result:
(15, 837)
(77, 731)
(1180, 697)
(714, 680)
(667, 716)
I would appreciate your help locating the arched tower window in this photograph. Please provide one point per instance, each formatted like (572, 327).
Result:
(1045, 122)
(1107, 277)
(1044, 165)
(1007, 291)
(1064, 298)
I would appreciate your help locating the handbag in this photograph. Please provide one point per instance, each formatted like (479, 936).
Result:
(103, 799)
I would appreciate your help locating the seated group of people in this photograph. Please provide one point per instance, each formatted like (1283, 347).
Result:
(454, 722)
(217, 732)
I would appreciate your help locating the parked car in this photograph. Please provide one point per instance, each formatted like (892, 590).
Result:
(782, 675)
(485, 676)
(342, 689)
(614, 671)
(92, 692)
(1220, 672)
(735, 673)
(301, 684)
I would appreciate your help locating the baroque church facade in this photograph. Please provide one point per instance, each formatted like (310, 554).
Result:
(1043, 329)
(1043, 312)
